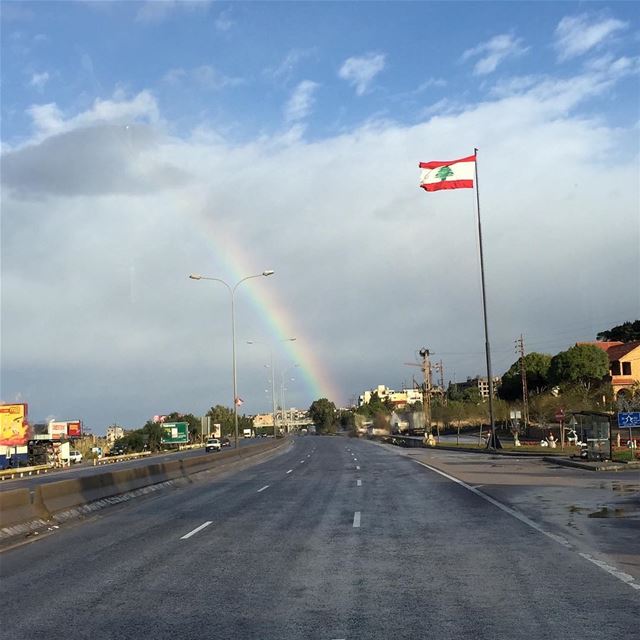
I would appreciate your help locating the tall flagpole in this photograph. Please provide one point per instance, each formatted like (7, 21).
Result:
(484, 312)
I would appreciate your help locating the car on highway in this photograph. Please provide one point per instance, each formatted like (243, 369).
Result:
(225, 442)
(213, 444)
(75, 457)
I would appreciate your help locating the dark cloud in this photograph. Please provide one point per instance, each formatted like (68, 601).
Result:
(95, 160)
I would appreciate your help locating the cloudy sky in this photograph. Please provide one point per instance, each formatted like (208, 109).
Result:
(142, 142)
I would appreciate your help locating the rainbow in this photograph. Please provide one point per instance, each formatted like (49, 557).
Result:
(237, 264)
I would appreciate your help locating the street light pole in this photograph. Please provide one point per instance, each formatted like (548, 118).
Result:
(282, 389)
(232, 291)
(273, 378)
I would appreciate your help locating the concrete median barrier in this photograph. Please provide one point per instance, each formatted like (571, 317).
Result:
(16, 507)
(52, 498)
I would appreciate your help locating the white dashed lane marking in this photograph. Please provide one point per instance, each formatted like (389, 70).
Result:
(193, 533)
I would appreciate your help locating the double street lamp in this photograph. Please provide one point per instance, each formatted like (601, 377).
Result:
(282, 390)
(232, 291)
(273, 377)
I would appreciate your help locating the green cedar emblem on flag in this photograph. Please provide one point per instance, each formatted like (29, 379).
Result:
(443, 173)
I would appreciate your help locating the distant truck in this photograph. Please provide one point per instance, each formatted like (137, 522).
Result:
(248, 433)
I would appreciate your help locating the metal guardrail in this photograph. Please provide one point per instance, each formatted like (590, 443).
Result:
(122, 458)
(8, 474)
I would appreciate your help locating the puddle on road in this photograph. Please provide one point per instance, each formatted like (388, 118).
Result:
(605, 512)
(625, 488)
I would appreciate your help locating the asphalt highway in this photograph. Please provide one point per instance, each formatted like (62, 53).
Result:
(332, 538)
(88, 469)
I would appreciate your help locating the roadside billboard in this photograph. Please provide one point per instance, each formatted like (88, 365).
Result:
(175, 433)
(74, 428)
(14, 429)
(57, 430)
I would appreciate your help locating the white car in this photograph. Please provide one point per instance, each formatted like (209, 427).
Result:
(213, 444)
(75, 456)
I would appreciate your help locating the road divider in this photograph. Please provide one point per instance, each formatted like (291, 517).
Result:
(122, 458)
(16, 506)
(20, 472)
(20, 506)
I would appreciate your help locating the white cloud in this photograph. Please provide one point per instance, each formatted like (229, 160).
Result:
(430, 82)
(360, 71)
(205, 76)
(285, 69)
(38, 80)
(494, 52)
(223, 21)
(48, 119)
(576, 35)
(301, 101)
(112, 246)
(155, 11)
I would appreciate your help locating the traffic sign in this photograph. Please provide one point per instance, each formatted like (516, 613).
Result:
(560, 415)
(175, 433)
(629, 419)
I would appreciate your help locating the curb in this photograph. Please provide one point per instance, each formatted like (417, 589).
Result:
(601, 466)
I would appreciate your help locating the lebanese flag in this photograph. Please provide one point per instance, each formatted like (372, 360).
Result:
(452, 174)
(239, 401)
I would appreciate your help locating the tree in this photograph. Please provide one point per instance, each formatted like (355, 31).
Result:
(466, 394)
(224, 417)
(537, 367)
(347, 420)
(582, 364)
(323, 414)
(375, 405)
(625, 332)
(152, 433)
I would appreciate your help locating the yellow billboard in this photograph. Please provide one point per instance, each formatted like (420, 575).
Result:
(14, 429)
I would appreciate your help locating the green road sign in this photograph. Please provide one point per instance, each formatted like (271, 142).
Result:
(175, 433)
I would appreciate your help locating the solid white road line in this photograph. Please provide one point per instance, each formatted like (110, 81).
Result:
(356, 519)
(290, 470)
(266, 486)
(200, 528)
(359, 483)
(621, 575)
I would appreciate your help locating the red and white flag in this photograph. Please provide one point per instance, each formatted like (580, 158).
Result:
(239, 401)
(448, 174)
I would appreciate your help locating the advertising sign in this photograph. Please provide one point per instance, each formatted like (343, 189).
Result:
(74, 428)
(175, 433)
(57, 430)
(14, 429)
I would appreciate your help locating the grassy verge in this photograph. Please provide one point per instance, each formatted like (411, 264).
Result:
(623, 455)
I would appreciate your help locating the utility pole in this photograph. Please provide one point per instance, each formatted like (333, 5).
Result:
(523, 374)
(426, 402)
(439, 367)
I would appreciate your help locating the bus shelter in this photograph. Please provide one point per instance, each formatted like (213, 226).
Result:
(594, 429)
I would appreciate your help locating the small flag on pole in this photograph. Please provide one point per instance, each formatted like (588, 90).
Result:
(239, 401)
(448, 174)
